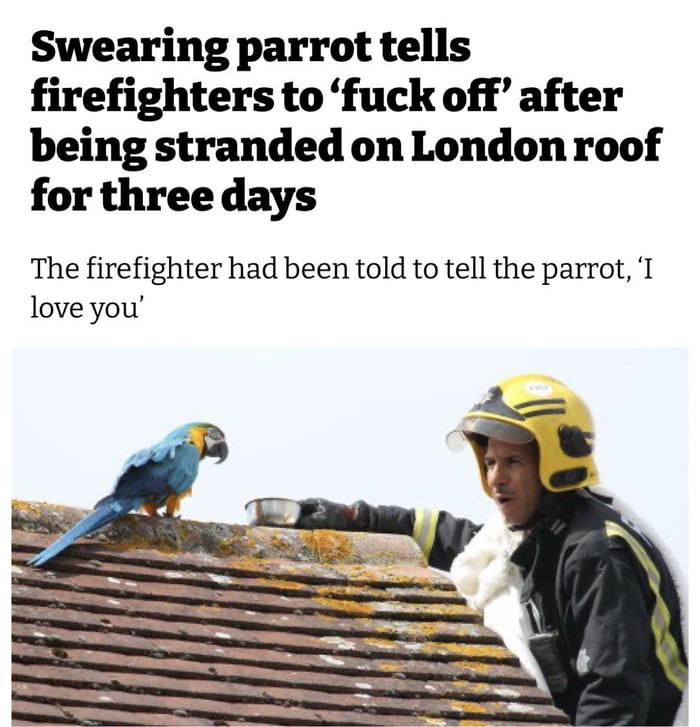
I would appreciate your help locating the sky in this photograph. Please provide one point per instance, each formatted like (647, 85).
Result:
(339, 423)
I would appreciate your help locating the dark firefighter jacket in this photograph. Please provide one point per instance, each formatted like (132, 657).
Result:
(602, 586)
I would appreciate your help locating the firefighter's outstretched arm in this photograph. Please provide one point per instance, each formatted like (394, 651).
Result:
(440, 535)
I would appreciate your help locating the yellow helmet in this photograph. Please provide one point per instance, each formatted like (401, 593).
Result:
(534, 407)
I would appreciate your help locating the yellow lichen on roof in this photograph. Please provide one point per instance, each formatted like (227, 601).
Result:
(467, 650)
(281, 583)
(425, 629)
(469, 707)
(141, 542)
(381, 643)
(473, 687)
(475, 666)
(442, 609)
(352, 607)
(362, 572)
(351, 591)
(233, 544)
(327, 545)
(281, 541)
(29, 507)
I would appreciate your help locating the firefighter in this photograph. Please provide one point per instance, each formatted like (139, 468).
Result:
(604, 608)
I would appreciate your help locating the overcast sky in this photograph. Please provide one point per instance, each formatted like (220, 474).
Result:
(344, 424)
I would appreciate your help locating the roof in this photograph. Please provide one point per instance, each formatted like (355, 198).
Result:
(161, 621)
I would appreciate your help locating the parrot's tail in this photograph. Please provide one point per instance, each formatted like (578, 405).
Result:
(107, 510)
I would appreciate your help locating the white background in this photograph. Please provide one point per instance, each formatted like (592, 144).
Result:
(83, 411)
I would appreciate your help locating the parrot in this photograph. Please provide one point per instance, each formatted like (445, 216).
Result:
(160, 476)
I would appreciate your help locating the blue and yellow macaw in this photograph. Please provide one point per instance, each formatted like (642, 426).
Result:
(152, 478)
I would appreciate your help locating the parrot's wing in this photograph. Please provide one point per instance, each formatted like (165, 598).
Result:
(162, 450)
(155, 477)
(138, 459)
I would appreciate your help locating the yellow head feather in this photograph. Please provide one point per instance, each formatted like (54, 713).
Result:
(196, 437)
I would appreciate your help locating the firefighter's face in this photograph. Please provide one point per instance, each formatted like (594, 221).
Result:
(512, 474)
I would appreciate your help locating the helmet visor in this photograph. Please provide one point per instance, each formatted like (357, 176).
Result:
(458, 438)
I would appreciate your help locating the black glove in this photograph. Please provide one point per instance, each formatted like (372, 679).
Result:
(319, 514)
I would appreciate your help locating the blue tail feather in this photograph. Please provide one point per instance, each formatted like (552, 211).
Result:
(109, 509)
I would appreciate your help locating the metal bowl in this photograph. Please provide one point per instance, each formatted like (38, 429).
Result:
(274, 511)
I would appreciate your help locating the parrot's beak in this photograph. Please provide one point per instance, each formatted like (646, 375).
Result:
(218, 449)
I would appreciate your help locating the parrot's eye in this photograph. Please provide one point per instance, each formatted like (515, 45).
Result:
(214, 434)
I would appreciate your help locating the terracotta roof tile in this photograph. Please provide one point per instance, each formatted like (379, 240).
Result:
(159, 621)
